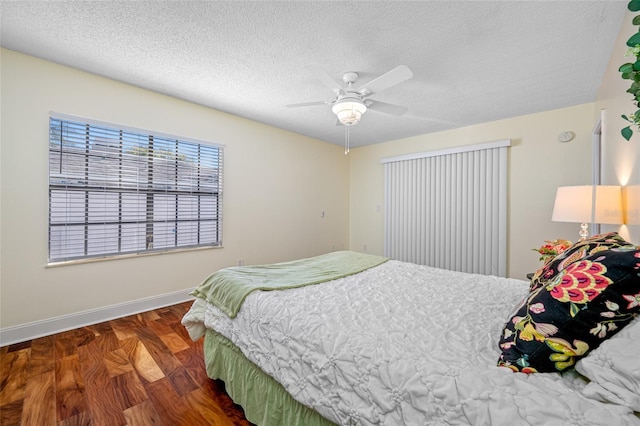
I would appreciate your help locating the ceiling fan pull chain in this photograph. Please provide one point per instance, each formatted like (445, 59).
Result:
(346, 139)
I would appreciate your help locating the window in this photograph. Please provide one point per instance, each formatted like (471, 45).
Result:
(115, 191)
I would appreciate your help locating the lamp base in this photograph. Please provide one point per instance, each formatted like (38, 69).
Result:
(584, 233)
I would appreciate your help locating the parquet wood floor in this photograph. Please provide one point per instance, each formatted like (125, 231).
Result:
(137, 370)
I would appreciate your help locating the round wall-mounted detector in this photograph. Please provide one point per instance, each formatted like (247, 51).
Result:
(566, 136)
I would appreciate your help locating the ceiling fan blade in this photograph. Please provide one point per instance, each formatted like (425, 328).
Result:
(391, 78)
(306, 104)
(326, 78)
(387, 108)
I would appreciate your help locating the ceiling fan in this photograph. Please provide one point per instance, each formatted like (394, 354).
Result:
(351, 102)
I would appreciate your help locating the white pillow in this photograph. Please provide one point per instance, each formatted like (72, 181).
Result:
(614, 369)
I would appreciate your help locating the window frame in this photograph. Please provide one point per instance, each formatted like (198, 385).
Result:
(182, 174)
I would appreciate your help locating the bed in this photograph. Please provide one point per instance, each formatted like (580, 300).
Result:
(353, 339)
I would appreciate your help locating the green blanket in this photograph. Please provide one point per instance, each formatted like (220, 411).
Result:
(227, 288)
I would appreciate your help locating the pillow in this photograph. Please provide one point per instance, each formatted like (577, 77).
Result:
(614, 369)
(577, 251)
(570, 313)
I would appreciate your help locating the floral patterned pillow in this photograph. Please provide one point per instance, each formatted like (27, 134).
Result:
(579, 250)
(572, 312)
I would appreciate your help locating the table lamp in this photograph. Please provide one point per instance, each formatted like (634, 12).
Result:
(588, 204)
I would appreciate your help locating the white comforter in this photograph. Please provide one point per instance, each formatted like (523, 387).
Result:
(401, 344)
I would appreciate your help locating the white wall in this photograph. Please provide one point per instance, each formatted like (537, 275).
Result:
(276, 184)
(621, 158)
(538, 164)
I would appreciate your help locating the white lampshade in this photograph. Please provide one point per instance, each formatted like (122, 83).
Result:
(349, 111)
(588, 204)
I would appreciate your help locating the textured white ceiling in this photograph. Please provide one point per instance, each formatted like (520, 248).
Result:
(473, 61)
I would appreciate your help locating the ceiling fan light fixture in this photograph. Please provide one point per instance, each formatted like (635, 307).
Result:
(349, 111)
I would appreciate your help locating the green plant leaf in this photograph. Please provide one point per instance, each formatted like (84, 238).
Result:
(634, 5)
(636, 20)
(627, 132)
(633, 90)
(624, 68)
(634, 40)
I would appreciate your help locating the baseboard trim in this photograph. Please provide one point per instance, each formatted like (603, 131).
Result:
(33, 330)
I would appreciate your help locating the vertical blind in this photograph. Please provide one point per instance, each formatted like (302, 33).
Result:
(447, 209)
(118, 191)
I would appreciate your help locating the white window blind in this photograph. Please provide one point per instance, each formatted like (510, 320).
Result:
(118, 191)
(447, 208)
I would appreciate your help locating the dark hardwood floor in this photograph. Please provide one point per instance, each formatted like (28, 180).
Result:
(137, 370)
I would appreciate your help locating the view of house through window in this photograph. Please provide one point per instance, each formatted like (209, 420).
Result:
(115, 191)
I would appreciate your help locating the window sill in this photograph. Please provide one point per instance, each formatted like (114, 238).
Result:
(125, 256)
